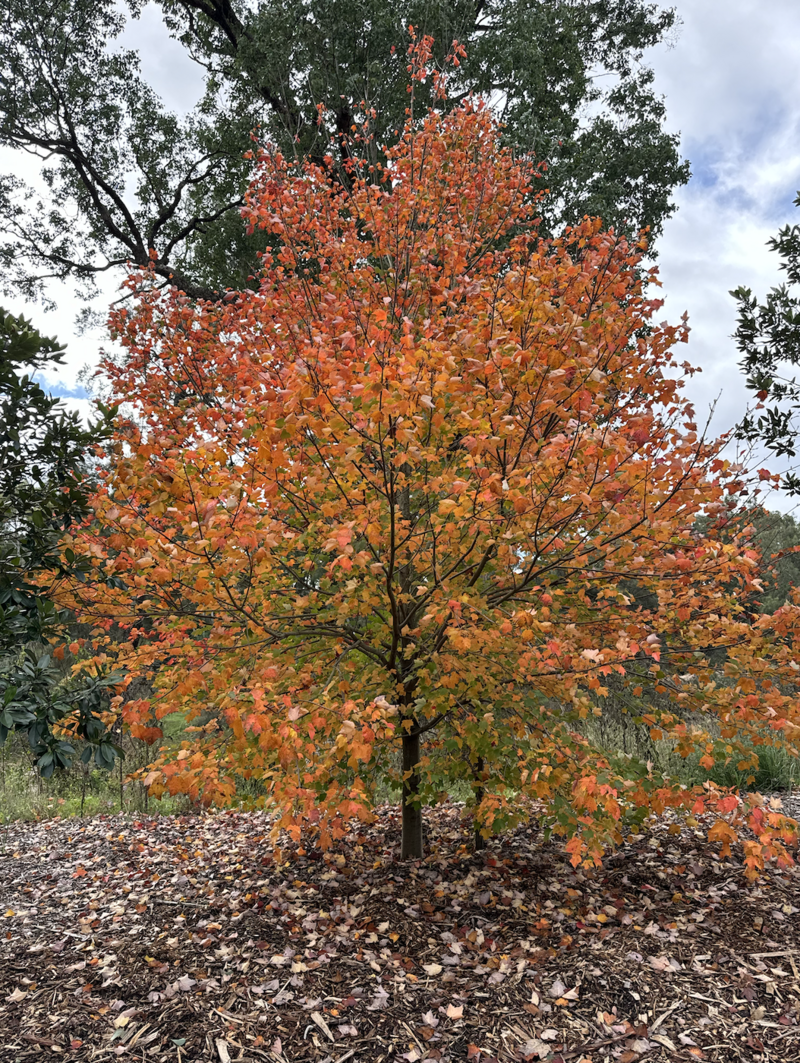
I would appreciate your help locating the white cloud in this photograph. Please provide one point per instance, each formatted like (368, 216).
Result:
(732, 88)
(164, 62)
(733, 70)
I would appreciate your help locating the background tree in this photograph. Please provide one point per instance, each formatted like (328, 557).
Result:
(388, 531)
(44, 484)
(125, 177)
(777, 536)
(768, 337)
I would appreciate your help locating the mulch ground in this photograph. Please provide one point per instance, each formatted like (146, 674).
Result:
(182, 939)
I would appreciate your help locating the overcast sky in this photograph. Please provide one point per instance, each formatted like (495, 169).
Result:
(732, 89)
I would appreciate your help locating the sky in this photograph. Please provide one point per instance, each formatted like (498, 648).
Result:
(732, 90)
(731, 81)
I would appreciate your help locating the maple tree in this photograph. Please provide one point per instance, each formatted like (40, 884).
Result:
(404, 511)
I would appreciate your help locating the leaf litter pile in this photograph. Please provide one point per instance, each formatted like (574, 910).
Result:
(182, 938)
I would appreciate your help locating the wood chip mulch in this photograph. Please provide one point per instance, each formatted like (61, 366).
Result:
(182, 939)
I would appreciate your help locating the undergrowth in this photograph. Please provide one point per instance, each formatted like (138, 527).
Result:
(81, 791)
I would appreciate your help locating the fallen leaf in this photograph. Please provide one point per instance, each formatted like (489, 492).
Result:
(379, 1001)
(534, 1049)
(318, 1019)
(659, 963)
(666, 1042)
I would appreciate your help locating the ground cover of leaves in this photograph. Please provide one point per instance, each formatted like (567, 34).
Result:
(183, 939)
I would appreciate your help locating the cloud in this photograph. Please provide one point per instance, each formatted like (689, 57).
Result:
(732, 88)
(60, 390)
(164, 62)
(733, 70)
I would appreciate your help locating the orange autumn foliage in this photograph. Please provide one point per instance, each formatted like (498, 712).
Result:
(425, 493)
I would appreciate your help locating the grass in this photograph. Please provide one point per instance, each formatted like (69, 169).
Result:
(88, 792)
(617, 732)
(79, 791)
(26, 796)
(777, 770)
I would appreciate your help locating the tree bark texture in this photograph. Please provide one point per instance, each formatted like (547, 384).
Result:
(411, 847)
(479, 842)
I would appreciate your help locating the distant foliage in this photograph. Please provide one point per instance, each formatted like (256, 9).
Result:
(44, 486)
(768, 337)
(777, 535)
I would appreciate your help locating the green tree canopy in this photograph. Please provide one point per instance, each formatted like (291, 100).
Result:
(776, 536)
(125, 177)
(43, 491)
(768, 337)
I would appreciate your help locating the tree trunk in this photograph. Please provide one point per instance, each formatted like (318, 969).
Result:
(411, 848)
(479, 842)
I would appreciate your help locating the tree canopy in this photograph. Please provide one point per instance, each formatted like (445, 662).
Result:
(126, 179)
(43, 449)
(379, 520)
(768, 337)
(44, 487)
(777, 536)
